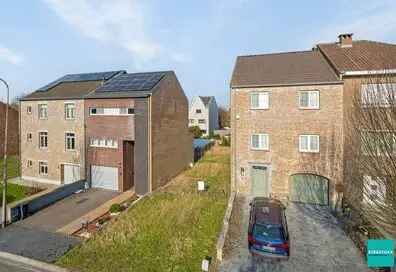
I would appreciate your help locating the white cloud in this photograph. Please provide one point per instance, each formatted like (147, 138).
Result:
(370, 21)
(9, 56)
(118, 22)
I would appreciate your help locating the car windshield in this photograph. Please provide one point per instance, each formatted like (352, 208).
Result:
(267, 232)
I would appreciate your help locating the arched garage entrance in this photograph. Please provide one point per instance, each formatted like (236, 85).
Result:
(309, 188)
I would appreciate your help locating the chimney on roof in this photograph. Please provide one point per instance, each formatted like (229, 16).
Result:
(345, 40)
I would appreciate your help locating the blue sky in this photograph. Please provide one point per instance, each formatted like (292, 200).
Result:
(44, 39)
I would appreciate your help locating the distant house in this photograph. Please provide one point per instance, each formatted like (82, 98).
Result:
(204, 113)
(13, 130)
(115, 130)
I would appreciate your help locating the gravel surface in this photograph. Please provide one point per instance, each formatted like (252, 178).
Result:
(317, 243)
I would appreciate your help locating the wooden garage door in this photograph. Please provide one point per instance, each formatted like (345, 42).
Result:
(307, 188)
(104, 177)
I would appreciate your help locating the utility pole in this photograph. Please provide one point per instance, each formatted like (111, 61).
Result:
(4, 221)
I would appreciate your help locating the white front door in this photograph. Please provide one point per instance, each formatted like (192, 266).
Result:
(71, 173)
(104, 177)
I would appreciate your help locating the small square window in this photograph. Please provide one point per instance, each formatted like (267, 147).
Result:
(198, 111)
(131, 111)
(93, 111)
(29, 163)
(43, 168)
(309, 143)
(259, 100)
(309, 99)
(259, 142)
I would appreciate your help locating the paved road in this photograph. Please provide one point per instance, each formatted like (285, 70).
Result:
(11, 266)
(67, 210)
(36, 236)
(317, 244)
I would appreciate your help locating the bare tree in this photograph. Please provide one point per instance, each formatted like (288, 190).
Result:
(370, 148)
(224, 117)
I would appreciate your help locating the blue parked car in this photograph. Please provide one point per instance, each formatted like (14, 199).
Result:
(268, 234)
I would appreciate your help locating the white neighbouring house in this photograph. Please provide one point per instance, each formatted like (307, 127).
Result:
(204, 113)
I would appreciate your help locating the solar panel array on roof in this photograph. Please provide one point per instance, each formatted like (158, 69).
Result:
(81, 77)
(132, 82)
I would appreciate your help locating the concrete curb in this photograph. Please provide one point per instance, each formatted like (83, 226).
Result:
(224, 231)
(32, 263)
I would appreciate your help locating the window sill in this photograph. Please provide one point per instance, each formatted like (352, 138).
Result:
(259, 149)
(314, 152)
(254, 109)
(303, 108)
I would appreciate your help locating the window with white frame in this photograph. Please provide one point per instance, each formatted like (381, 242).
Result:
(29, 163)
(259, 100)
(29, 109)
(70, 111)
(43, 111)
(309, 99)
(70, 141)
(378, 142)
(374, 190)
(43, 139)
(309, 143)
(43, 168)
(103, 142)
(112, 111)
(29, 137)
(201, 121)
(259, 142)
(382, 95)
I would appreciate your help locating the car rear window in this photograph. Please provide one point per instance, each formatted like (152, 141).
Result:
(267, 232)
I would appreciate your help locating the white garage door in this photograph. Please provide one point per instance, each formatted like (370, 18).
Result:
(104, 177)
(71, 173)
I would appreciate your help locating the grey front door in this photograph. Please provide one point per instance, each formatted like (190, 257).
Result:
(260, 181)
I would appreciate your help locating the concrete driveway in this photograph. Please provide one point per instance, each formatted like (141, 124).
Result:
(36, 236)
(317, 243)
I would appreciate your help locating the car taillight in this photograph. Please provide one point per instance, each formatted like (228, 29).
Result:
(250, 238)
(285, 246)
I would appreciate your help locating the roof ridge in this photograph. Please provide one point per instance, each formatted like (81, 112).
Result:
(152, 72)
(357, 41)
(276, 53)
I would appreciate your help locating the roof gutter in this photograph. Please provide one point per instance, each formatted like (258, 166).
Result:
(369, 72)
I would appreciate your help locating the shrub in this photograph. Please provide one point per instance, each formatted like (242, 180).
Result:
(196, 131)
(115, 208)
(225, 141)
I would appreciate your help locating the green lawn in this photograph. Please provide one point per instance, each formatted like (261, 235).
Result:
(172, 230)
(12, 166)
(14, 192)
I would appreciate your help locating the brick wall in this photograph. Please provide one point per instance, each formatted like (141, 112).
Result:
(120, 128)
(13, 130)
(284, 122)
(172, 149)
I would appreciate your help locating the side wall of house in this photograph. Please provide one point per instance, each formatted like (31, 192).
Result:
(171, 142)
(284, 121)
(13, 130)
(56, 125)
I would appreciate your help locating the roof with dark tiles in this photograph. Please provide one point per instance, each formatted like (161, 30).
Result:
(289, 68)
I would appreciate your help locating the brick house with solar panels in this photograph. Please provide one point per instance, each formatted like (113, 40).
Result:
(289, 117)
(115, 130)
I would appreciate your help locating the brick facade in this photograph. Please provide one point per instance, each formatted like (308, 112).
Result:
(284, 121)
(13, 130)
(119, 128)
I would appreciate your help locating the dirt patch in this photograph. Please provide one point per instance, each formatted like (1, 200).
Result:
(234, 236)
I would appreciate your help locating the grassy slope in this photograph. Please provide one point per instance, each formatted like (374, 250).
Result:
(14, 192)
(172, 230)
(12, 166)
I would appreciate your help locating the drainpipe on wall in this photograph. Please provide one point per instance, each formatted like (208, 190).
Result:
(149, 149)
